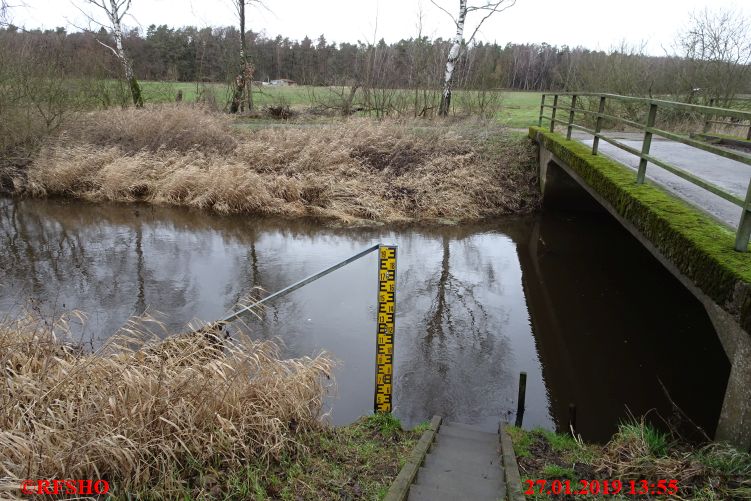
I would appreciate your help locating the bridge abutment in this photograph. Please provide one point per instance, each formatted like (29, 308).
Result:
(563, 187)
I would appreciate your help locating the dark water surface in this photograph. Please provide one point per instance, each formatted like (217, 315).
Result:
(572, 300)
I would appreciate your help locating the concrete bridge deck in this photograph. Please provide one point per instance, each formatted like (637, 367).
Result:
(726, 173)
(670, 218)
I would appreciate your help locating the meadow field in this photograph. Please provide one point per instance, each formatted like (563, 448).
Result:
(513, 109)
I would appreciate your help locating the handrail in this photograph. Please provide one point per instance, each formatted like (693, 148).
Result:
(305, 281)
(743, 234)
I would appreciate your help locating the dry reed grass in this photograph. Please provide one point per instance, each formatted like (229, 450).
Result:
(355, 171)
(140, 412)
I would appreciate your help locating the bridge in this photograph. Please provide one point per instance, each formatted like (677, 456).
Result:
(685, 197)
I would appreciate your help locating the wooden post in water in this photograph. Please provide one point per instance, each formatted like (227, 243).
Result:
(572, 418)
(520, 400)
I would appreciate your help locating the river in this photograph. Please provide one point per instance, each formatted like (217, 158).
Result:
(571, 299)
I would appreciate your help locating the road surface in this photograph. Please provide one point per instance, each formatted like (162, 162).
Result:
(728, 174)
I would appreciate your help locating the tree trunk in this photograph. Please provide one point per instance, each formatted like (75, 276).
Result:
(453, 57)
(135, 89)
(243, 95)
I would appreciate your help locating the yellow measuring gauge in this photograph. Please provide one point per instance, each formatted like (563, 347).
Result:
(385, 340)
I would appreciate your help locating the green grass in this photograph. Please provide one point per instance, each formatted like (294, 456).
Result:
(555, 471)
(358, 461)
(637, 451)
(656, 442)
(517, 109)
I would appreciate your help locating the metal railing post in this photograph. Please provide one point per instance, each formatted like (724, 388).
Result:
(542, 111)
(647, 144)
(571, 117)
(555, 108)
(598, 125)
(748, 134)
(708, 119)
(743, 233)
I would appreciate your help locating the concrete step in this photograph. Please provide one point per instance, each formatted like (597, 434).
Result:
(448, 465)
(462, 432)
(468, 427)
(453, 492)
(478, 448)
(439, 476)
(465, 454)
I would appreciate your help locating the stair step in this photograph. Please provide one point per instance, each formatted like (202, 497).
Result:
(454, 492)
(464, 454)
(468, 427)
(488, 468)
(477, 447)
(462, 432)
(440, 476)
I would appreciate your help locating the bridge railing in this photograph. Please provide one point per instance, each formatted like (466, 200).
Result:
(571, 109)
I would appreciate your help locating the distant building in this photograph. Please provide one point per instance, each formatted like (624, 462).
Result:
(282, 82)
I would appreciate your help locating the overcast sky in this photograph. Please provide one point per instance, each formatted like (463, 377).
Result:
(596, 24)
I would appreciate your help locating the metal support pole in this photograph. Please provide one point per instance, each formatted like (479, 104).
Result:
(571, 116)
(244, 310)
(645, 147)
(555, 108)
(542, 111)
(598, 125)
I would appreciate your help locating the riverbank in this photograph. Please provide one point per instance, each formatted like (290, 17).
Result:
(193, 416)
(637, 452)
(356, 171)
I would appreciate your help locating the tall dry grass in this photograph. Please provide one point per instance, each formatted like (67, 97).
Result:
(141, 412)
(357, 170)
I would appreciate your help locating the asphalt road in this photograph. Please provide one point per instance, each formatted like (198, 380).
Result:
(728, 174)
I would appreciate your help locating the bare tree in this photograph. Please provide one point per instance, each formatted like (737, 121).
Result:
(3, 13)
(717, 45)
(243, 91)
(116, 10)
(488, 8)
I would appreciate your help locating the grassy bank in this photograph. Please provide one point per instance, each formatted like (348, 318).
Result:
(353, 171)
(193, 416)
(637, 452)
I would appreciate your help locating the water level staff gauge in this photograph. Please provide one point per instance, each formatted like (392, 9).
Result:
(385, 334)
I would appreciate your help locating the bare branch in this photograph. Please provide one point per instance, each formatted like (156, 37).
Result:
(446, 11)
(492, 10)
(114, 51)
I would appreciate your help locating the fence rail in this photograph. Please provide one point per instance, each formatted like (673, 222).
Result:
(710, 113)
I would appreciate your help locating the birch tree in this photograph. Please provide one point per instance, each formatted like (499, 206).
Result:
(116, 10)
(466, 8)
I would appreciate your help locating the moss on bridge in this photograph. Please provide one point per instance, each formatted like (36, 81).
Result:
(698, 246)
